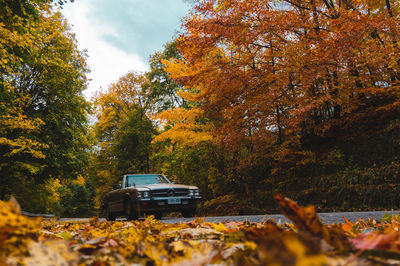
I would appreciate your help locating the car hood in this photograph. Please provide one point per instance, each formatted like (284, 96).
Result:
(166, 186)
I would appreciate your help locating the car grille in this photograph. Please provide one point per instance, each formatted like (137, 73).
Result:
(166, 192)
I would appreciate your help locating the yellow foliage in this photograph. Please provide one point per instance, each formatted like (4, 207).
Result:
(52, 187)
(220, 227)
(187, 128)
(80, 180)
(16, 230)
(14, 120)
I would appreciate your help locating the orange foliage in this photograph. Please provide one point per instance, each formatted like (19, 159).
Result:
(271, 71)
(187, 129)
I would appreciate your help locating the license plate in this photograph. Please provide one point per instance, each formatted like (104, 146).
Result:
(174, 201)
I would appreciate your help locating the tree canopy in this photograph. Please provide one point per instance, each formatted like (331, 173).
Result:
(298, 91)
(43, 118)
(289, 71)
(253, 97)
(123, 130)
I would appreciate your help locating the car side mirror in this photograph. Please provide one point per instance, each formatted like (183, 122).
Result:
(117, 186)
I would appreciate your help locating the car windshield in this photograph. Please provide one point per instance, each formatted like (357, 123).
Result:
(142, 180)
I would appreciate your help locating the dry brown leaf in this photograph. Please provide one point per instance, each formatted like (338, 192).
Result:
(306, 218)
(50, 253)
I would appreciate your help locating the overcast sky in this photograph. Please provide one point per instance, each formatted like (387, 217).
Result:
(121, 35)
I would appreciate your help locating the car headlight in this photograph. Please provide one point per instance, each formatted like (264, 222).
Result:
(143, 194)
(194, 192)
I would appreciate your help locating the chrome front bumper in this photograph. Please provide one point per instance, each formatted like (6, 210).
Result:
(164, 203)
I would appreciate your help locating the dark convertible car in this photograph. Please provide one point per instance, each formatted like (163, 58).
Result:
(138, 194)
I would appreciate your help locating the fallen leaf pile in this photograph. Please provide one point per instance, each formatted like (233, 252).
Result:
(27, 241)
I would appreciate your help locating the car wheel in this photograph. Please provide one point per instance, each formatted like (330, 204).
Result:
(109, 215)
(130, 213)
(188, 213)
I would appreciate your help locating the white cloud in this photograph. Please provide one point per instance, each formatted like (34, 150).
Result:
(107, 63)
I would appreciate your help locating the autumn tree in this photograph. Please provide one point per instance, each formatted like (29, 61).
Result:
(290, 83)
(75, 198)
(180, 162)
(132, 148)
(162, 90)
(43, 113)
(54, 84)
(19, 152)
(123, 131)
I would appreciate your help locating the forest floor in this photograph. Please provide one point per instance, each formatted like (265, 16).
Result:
(301, 239)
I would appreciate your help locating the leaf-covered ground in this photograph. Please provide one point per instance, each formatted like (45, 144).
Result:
(28, 241)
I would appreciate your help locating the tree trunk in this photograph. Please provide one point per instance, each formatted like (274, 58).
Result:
(389, 8)
(278, 121)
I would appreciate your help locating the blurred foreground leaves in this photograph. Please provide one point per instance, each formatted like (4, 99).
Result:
(27, 241)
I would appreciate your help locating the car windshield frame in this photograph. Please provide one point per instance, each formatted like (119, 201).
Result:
(143, 180)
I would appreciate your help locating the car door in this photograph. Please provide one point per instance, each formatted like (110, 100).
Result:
(120, 195)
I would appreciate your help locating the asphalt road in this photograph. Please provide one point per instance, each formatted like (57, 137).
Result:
(327, 218)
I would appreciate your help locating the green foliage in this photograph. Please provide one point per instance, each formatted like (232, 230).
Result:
(54, 77)
(132, 146)
(162, 89)
(123, 132)
(76, 200)
(43, 115)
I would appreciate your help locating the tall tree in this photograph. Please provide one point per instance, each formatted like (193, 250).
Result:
(123, 130)
(289, 85)
(20, 152)
(289, 72)
(162, 90)
(54, 77)
(42, 76)
(133, 143)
